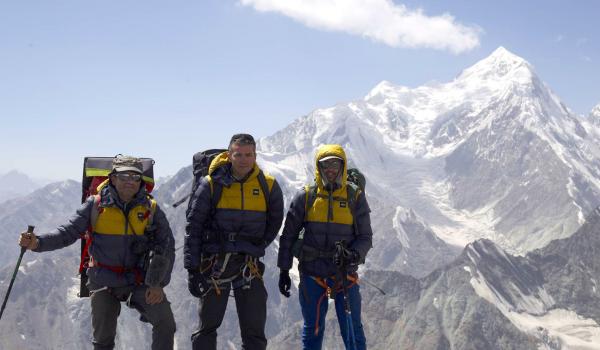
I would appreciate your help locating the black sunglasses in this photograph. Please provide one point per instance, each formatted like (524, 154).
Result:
(129, 177)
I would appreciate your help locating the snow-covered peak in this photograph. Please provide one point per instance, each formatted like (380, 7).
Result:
(502, 53)
(501, 65)
(384, 88)
(596, 110)
(405, 119)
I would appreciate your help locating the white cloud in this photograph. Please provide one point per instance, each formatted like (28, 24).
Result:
(380, 20)
(586, 58)
(559, 38)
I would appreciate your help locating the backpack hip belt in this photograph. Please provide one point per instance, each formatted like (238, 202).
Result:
(214, 236)
(120, 270)
(310, 253)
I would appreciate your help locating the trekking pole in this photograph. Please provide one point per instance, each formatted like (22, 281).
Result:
(373, 285)
(339, 247)
(12, 281)
(178, 203)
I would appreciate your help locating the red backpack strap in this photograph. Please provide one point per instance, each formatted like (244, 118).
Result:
(88, 235)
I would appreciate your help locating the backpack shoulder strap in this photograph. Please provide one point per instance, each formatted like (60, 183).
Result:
(96, 209)
(151, 210)
(216, 189)
(310, 198)
(353, 191)
(264, 185)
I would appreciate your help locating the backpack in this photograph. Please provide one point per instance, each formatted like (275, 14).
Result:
(95, 172)
(355, 183)
(200, 164)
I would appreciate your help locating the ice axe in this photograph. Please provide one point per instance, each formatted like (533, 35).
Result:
(12, 280)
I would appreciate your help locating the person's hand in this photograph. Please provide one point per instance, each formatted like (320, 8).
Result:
(285, 283)
(28, 240)
(154, 295)
(345, 257)
(194, 281)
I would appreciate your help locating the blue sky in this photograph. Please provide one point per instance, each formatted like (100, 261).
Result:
(166, 79)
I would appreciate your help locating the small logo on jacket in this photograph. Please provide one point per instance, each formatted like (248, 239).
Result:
(342, 204)
(140, 216)
(256, 191)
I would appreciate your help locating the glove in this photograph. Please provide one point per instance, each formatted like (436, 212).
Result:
(196, 283)
(345, 256)
(285, 283)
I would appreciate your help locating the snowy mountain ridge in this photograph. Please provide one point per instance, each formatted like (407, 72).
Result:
(496, 116)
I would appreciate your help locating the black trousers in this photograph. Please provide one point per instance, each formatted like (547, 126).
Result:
(106, 307)
(251, 305)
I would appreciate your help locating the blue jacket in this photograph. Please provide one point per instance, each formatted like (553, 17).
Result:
(328, 220)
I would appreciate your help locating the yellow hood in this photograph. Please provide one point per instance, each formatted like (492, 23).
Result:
(331, 150)
(220, 160)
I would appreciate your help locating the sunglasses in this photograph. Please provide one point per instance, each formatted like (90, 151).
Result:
(129, 177)
(331, 164)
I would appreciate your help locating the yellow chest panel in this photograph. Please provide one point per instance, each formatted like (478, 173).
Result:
(112, 221)
(243, 196)
(340, 209)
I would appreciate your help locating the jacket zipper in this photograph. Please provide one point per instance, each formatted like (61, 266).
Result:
(242, 193)
(125, 213)
(126, 245)
(329, 216)
(330, 207)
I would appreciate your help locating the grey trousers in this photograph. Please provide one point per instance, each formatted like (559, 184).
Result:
(106, 307)
(251, 305)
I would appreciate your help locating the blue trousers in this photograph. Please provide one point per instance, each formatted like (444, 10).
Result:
(314, 303)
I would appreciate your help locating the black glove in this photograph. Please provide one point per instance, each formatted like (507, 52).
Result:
(345, 256)
(285, 283)
(196, 283)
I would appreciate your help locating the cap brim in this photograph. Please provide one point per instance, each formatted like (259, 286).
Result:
(330, 157)
(127, 168)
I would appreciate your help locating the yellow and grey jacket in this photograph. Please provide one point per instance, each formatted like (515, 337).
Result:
(329, 220)
(239, 222)
(120, 236)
